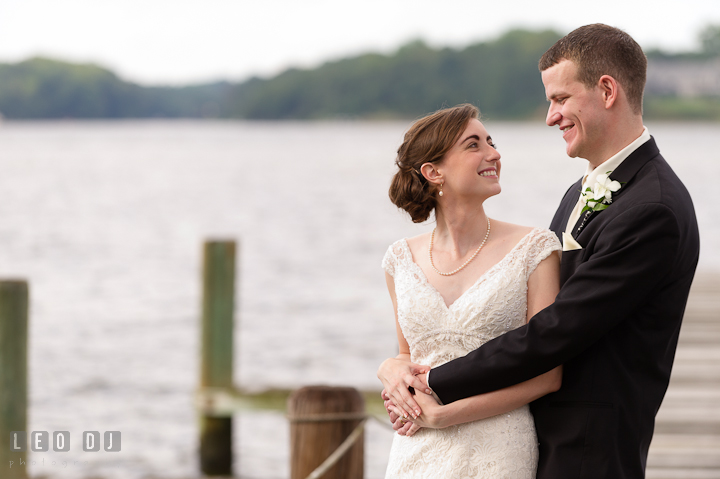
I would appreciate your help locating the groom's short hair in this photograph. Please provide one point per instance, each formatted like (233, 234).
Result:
(599, 50)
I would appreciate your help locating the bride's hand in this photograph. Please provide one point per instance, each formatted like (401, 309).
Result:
(432, 416)
(397, 376)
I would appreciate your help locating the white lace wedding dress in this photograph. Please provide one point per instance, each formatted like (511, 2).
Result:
(500, 447)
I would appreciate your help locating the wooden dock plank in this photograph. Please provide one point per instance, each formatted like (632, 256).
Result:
(686, 444)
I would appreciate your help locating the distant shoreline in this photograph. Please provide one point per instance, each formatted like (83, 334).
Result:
(499, 76)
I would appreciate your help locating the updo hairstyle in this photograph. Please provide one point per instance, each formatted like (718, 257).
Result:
(427, 141)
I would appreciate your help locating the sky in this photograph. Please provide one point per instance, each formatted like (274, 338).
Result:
(194, 41)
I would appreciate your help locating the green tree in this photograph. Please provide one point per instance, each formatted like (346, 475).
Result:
(44, 88)
(501, 77)
(710, 40)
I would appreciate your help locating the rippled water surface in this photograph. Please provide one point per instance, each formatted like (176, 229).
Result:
(106, 221)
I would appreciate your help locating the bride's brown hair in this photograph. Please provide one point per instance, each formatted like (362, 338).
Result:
(427, 141)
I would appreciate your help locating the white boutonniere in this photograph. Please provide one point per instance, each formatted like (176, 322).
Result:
(599, 196)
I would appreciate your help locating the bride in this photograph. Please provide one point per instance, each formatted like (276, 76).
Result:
(453, 289)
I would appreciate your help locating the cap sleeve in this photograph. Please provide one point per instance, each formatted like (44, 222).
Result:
(389, 261)
(394, 256)
(542, 244)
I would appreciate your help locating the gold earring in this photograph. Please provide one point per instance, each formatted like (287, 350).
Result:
(441, 193)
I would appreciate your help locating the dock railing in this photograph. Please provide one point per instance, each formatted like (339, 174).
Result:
(326, 423)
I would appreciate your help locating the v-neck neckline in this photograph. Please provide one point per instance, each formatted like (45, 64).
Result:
(475, 283)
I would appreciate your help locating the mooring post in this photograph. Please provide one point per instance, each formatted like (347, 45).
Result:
(216, 370)
(13, 378)
(321, 419)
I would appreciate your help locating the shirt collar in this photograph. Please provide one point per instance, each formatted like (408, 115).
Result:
(615, 160)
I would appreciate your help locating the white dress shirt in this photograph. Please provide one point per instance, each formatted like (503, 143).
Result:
(608, 166)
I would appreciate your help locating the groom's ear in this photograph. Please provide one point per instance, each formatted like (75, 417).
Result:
(610, 90)
(431, 173)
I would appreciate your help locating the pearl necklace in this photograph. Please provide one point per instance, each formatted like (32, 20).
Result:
(432, 241)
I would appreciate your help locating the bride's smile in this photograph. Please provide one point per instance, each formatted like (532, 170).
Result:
(470, 170)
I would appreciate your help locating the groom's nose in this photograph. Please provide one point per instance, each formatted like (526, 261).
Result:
(553, 117)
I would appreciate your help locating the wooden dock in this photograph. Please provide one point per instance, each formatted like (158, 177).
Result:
(686, 444)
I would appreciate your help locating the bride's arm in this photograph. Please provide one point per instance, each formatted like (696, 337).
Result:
(543, 286)
(398, 374)
(485, 405)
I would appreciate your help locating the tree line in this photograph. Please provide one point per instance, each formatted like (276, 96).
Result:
(499, 76)
(45, 88)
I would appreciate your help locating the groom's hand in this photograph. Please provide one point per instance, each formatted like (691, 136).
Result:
(388, 403)
(397, 377)
(390, 408)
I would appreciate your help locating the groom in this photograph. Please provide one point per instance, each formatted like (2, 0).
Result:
(630, 249)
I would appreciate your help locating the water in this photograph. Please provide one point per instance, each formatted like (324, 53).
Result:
(106, 220)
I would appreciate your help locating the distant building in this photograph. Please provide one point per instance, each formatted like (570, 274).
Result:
(684, 78)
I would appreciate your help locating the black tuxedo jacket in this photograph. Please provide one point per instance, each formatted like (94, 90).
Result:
(614, 326)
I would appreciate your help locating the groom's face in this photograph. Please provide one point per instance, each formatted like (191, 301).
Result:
(576, 110)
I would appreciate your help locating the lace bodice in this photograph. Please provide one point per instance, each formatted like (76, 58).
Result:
(495, 304)
(503, 446)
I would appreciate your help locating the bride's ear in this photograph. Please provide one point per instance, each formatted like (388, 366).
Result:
(431, 173)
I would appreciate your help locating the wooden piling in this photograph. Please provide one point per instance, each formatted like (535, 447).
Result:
(216, 370)
(321, 418)
(13, 375)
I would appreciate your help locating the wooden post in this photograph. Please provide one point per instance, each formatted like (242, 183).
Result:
(216, 369)
(314, 435)
(13, 375)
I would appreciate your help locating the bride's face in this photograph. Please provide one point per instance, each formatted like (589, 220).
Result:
(472, 166)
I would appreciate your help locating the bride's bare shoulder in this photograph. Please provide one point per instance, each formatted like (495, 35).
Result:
(418, 243)
(510, 231)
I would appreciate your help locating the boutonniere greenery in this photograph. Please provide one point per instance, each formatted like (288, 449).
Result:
(599, 196)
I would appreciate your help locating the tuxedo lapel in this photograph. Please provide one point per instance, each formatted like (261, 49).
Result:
(632, 164)
(623, 174)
